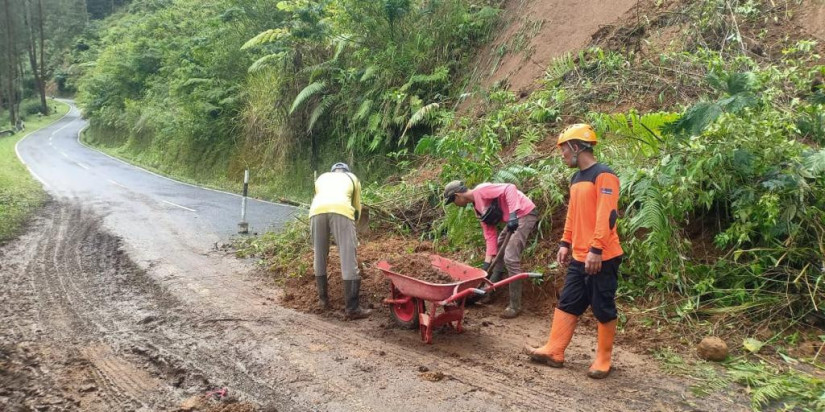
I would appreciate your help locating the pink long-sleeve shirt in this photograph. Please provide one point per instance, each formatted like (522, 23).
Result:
(509, 199)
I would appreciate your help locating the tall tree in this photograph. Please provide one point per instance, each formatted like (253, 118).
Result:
(33, 19)
(11, 59)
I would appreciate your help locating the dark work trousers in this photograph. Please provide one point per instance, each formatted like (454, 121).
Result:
(597, 291)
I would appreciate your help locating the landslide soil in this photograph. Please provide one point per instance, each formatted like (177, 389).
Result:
(87, 329)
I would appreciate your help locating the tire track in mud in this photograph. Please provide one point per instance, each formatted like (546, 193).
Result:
(85, 293)
(65, 309)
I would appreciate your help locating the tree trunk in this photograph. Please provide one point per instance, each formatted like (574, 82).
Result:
(18, 88)
(31, 48)
(2, 108)
(44, 106)
(11, 95)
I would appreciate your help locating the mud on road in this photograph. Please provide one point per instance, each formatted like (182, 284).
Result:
(85, 328)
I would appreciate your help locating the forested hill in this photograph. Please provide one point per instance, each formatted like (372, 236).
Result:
(205, 89)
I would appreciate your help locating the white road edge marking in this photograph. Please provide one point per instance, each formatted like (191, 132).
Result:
(177, 205)
(82, 165)
(20, 158)
(117, 184)
(173, 180)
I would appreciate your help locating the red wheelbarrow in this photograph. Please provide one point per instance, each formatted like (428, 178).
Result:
(408, 295)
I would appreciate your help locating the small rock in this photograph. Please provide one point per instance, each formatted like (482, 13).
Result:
(712, 348)
(485, 323)
(423, 369)
(432, 376)
(382, 353)
(88, 388)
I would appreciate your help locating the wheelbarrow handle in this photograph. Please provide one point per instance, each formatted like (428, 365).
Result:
(461, 295)
(493, 286)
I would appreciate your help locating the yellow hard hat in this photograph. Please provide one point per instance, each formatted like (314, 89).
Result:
(580, 131)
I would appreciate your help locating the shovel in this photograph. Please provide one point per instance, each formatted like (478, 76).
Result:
(490, 270)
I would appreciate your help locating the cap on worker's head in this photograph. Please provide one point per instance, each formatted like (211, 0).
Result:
(580, 131)
(452, 188)
(340, 165)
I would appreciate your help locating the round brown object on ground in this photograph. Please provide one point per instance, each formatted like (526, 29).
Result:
(713, 349)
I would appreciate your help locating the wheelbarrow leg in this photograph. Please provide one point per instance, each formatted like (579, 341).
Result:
(459, 327)
(427, 322)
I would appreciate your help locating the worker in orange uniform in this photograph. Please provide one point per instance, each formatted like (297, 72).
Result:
(590, 236)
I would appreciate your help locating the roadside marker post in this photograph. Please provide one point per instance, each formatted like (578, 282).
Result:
(243, 227)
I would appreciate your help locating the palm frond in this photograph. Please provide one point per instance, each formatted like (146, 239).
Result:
(417, 117)
(440, 74)
(265, 37)
(644, 130)
(266, 61)
(309, 91)
(363, 110)
(318, 112)
(369, 73)
(559, 67)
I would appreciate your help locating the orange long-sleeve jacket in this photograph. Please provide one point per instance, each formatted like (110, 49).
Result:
(592, 213)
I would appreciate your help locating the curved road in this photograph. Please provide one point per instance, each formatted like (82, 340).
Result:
(124, 192)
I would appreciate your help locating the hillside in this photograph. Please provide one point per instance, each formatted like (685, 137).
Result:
(691, 98)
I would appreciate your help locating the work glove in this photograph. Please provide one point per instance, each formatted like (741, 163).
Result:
(512, 224)
(485, 266)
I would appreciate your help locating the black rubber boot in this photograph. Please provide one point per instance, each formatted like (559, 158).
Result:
(514, 309)
(497, 275)
(353, 309)
(323, 297)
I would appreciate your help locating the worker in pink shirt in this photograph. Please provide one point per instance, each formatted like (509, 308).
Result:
(495, 203)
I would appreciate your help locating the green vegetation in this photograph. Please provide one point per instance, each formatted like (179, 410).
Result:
(205, 89)
(770, 386)
(722, 182)
(20, 194)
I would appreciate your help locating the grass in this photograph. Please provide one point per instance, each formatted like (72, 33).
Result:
(20, 194)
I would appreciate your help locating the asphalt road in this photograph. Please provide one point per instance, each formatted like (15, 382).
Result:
(127, 193)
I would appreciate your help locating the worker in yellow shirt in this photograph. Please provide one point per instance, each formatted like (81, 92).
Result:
(335, 209)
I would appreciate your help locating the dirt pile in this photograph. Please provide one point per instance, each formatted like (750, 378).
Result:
(411, 258)
(418, 266)
(301, 293)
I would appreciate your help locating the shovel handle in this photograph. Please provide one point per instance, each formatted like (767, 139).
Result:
(500, 254)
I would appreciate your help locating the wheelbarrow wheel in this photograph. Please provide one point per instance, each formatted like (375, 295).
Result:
(405, 315)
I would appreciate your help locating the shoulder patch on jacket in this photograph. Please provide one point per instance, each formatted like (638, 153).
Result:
(607, 190)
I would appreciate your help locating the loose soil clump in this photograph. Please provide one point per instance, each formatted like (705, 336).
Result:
(418, 266)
